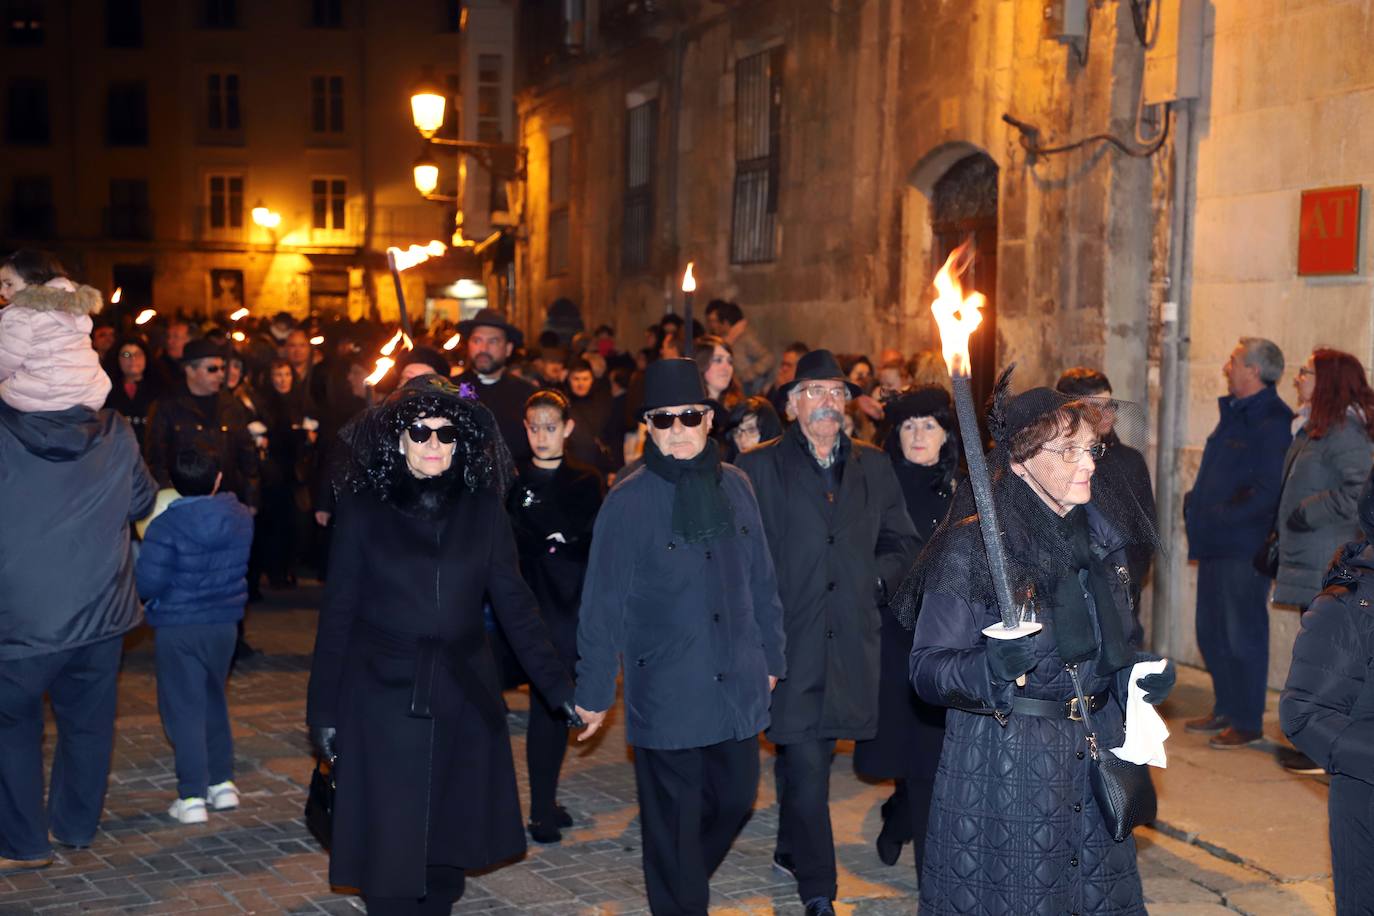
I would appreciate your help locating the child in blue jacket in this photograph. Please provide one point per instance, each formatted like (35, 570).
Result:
(192, 577)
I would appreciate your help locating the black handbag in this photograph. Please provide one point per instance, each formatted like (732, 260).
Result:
(319, 803)
(1124, 792)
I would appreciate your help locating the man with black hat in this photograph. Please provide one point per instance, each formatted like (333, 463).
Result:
(201, 414)
(490, 342)
(680, 585)
(841, 538)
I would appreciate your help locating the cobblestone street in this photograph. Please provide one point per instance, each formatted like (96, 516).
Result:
(260, 859)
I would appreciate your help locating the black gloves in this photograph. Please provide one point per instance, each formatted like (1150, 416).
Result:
(1008, 659)
(322, 739)
(570, 716)
(1157, 686)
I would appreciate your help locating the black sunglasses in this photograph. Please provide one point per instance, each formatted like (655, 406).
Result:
(216, 368)
(689, 418)
(421, 433)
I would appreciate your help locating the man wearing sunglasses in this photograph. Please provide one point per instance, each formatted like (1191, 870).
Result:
(841, 539)
(680, 587)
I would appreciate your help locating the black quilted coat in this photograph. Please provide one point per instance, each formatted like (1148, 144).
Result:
(1013, 826)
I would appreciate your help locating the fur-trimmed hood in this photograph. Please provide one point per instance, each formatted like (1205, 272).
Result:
(86, 300)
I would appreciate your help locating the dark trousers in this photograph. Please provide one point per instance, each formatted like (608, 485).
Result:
(1351, 810)
(906, 814)
(1233, 634)
(692, 804)
(546, 743)
(81, 684)
(192, 666)
(802, 774)
(445, 885)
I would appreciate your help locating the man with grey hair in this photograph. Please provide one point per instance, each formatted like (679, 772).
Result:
(1229, 514)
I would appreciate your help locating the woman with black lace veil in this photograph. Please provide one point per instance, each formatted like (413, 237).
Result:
(1013, 825)
(403, 689)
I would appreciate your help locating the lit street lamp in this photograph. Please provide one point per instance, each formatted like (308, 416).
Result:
(426, 174)
(427, 106)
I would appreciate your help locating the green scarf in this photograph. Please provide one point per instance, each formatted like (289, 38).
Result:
(700, 510)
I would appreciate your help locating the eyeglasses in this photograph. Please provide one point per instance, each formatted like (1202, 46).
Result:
(420, 433)
(821, 392)
(129, 354)
(691, 418)
(1074, 453)
(1306, 371)
(213, 368)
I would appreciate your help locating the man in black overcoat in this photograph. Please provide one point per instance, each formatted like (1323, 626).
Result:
(841, 538)
(681, 587)
(490, 342)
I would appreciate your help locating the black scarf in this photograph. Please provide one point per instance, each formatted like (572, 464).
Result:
(426, 497)
(700, 509)
(1073, 626)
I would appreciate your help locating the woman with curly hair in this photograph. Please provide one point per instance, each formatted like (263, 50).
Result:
(403, 689)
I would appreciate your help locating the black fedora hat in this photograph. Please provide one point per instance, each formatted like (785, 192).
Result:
(200, 348)
(820, 366)
(673, 383)
(491, 318)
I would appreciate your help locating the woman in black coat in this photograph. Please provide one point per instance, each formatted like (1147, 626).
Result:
(132, 387)
(403, 688)
(284, 522)
(552, 508)
(923, 444)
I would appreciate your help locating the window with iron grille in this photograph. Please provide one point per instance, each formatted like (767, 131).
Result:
(24, 24)
(219, 14)
(124, 23)
(222, 102)
(637, 226)
(26, 113)
(32, 215)
(560, 169)
(128, 216)
(489, 94)
(326, 14)
(126, 114)
(758, 128)
(225, 204)
(328, 203)
(326, 104)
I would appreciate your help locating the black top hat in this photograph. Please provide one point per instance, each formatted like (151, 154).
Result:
(820, 366)
(672, 383)
(925, 401)
(200, 348)
(491, 318)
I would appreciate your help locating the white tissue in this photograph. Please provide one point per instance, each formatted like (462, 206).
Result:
(1145, 730)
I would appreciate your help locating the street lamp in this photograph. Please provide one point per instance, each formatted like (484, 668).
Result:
(426, 174)
(267, 219)
(427, 105)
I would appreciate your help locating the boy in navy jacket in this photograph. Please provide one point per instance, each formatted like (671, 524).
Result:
(191, 576)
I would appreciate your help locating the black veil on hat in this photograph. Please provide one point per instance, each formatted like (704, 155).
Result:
(954, 561)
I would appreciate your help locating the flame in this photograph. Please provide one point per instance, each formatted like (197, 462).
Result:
(689, 280)
(956, 314)
(145, 316)
(404, 259)
(452, 342)
(239, 336)
(390, 346)
(238, 314)
(384, 364)
(406, 341)
(118, 294)
(317, 340)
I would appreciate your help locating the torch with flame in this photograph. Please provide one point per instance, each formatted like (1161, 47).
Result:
(452, 341)
(689, 288)
(238, 314)
(118, 294)
(399, 259)
(145, 316)
(958, 316)
(386, 361)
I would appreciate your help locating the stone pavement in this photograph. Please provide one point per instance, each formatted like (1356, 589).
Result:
(1236, 834)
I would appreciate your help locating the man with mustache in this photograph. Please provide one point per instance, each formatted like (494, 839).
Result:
(841, 540)
(490, 341)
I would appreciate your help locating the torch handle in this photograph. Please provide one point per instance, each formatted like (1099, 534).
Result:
(400, 293)
(981, 482)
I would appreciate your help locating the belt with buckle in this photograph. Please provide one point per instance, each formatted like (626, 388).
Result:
(1057, 709)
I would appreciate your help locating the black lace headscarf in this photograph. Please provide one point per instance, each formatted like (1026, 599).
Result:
(1042, 549)
(480, 459)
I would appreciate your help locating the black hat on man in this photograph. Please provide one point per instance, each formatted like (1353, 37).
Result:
(820, 366)
(673, 383)
(200, 348)
(491, 318)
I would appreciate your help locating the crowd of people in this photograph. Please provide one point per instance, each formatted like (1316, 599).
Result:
(738, 541)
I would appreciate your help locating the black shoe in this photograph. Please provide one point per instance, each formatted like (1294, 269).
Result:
(243, 651)
(561, 817)
(889, 850)
(1207, 725)
(65, 845)
(1299, 763)
(820, 906)
(545, 833)
(783, 862)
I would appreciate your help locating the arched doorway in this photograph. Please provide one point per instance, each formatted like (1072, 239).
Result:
(963, 203)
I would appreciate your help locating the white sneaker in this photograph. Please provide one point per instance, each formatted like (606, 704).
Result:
(224, 795)
(188, 810)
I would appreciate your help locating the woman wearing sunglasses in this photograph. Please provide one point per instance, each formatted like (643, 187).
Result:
(403, 687)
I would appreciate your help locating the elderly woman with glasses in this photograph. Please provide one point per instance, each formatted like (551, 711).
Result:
(1013, 826)
(133, 388)
(404, 691)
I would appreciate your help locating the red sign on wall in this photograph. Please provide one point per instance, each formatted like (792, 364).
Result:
(1329, 231)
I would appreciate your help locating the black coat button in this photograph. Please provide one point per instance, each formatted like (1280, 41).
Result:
(830, 539)
(831, 587)
(716, 618)
(1077, 807)
(1079, 755)
(743, 529)
(829, 634)
(1073, 863)
(708, 554)
(639, 662)
(671, 545)
(720, 677)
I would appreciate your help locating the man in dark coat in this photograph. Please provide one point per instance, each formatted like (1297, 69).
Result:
(1229, 514)
(71, 481)
(199, 414)
(840, 537)
(681, 587)
(490, 341)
